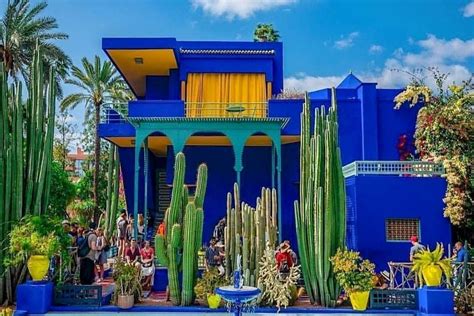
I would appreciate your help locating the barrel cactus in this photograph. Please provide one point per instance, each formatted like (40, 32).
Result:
(321, 210)
(178, 247)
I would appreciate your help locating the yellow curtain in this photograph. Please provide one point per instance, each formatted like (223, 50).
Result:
(226, 95)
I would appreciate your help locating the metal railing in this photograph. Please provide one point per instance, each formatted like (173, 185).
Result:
(401, 168)
(114, 113)
(226, 109)
(402, 277)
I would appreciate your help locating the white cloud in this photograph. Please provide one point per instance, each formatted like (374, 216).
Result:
(238, 8)
(469, 10)
(375, 49)
(346, 41)
(303, 82)
(447, 55)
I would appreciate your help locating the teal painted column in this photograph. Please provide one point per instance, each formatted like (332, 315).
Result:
(273, 165)
(238, 139)
(136, 177)
(277, 143)
(145, 174)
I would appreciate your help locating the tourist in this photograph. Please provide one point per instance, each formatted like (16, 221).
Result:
(101, 254)
(213, 256)
(122, 232)
(218, 233)
(73, 231)
(459, 252)
(291, 252)
(416, 247)
(161, 229)
(130, 228)
(141, 228)
(132, 255)
(283, 259)
(148, 268)
(80, 235)
(87, 250)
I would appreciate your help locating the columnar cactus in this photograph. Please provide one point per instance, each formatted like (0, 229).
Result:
(178, 248)
(26, 144)
(248, 231)
(321, 211)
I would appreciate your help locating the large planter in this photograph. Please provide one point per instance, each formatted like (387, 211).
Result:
(38, 267)
(213, 300)
(359, 300)
(432, 275)
(125, 301)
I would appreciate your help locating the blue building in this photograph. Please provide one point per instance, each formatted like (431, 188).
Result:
(215, 101)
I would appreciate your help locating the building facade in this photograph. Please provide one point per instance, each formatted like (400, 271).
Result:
(215, 101)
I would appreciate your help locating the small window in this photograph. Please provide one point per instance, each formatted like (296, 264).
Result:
(401, 229)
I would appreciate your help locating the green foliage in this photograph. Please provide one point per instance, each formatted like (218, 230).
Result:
(277, 290)
(37, 235)
(445, 133)
(127, 280)
(64, 137)
(265, 33)
(83, 211)
(21, 29)
(320, 212)
(353, 273)
(208, 283)
(426, 258)
(62, 190)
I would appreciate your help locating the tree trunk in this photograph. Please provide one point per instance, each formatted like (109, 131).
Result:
(96, 163)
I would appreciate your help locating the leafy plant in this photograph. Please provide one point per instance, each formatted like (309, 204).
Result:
(62, 190)
(276, 289)
(352, 272)
(426, 258)
(127, 280)
(37, 235)
(265, 33)
(208, 283)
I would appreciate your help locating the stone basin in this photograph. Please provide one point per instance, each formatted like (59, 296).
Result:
(242, 295)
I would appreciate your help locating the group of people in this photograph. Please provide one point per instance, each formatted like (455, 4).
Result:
(91, 246)
(459, 251)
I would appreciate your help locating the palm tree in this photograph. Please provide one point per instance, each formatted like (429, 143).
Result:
(97, 81)
(20, 30)
(265, 33)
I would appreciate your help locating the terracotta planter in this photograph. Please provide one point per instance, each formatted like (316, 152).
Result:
(125, 301)
(432, 275)
(214, 300)
(359, 300)
(38, 267)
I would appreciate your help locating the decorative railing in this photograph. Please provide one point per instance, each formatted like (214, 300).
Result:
(401, 168)
(393, 299)
(114, 112)
(226, 109)
(402, 277)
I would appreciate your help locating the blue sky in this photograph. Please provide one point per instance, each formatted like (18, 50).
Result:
(323, 39)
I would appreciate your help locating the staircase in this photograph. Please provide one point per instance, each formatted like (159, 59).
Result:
(163, 199)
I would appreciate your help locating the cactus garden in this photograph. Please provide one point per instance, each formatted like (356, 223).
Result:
(165, 175)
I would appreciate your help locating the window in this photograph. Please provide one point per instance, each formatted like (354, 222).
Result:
(401, 229)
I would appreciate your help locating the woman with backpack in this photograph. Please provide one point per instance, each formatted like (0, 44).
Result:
(101, 254)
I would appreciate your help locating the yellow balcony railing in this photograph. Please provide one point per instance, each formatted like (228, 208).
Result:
(226, 109)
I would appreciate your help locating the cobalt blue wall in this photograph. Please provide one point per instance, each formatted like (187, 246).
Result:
(373, 199)
(157, 87)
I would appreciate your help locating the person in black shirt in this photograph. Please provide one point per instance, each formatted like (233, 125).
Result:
(213, 256)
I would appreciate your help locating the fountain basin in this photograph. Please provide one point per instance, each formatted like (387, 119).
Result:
(242, 295)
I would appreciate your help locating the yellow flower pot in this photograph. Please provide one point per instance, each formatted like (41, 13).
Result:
(213, 300)
(432, 275)
(38, 267)
(359, 300)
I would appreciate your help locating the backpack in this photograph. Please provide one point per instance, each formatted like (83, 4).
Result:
(83, 248)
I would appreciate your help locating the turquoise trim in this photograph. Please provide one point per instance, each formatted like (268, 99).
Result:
(179, 130)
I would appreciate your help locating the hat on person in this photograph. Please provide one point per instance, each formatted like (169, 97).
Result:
(414, 239)
(284, 247)
(65, 222)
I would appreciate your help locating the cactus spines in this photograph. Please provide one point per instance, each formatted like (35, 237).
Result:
(183, 233)
(321, 209)
(249, 230)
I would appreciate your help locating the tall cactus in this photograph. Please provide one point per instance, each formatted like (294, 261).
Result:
(178, 248)
(321, 211)
(113, 182)
(26, 143)
(248, 231)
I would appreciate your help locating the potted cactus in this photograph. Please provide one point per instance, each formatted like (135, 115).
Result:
(206, 286)
(430, 266)
(355, 275)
